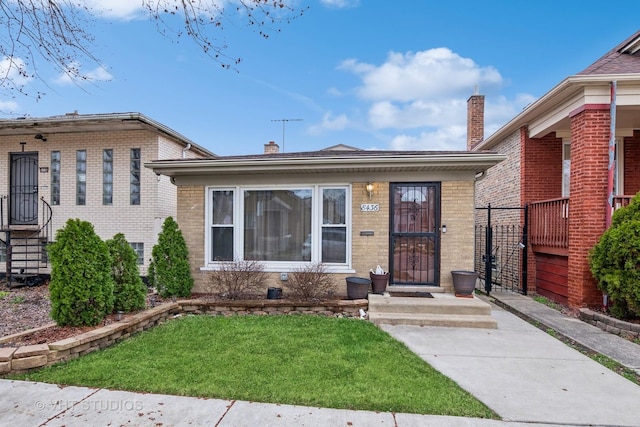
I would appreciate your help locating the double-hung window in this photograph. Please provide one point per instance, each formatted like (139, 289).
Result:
(282, 227)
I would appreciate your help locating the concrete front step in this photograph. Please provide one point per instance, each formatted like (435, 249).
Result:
(439, 304)
(441, 310)
(411, 289)
(426, 319)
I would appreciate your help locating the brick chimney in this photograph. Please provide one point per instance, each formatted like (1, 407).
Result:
(475, 120)
(271, 148)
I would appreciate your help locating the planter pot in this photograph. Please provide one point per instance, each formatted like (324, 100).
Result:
(464, 282)
(357, 287)
(274, 293)
(379, 282)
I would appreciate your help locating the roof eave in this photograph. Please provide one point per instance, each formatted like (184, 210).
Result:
(303, 165)
(561, 92)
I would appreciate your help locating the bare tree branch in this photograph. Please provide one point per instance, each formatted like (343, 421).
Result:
(58, 32)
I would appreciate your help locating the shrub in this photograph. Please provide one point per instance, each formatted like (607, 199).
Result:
(615, 261)
(169, 270)
(237, 280)
(81, 286)
(310, 283)
(129, 292)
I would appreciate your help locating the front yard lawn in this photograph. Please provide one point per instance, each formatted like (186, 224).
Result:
(299, 360)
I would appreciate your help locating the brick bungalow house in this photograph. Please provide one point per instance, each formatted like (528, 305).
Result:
(572, 157)
(86, 166)
(409, 212)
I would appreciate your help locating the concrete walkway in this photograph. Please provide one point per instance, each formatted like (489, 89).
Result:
(524, 374)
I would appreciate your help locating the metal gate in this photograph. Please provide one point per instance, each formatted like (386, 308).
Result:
(500, 251)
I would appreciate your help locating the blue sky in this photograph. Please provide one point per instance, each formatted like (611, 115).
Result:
(375, 74)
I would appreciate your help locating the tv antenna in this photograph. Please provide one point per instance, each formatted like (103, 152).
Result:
(284, 122)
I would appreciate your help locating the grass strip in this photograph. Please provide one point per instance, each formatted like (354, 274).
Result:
(298, 360)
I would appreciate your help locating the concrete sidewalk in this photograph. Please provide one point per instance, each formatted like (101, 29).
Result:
(25, 404)
(585, 335)
(522, 373)
(526, 375)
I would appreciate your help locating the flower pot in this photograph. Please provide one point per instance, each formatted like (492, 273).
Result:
(357, 287)
(274, 293)
(464, 282)
(379, 282)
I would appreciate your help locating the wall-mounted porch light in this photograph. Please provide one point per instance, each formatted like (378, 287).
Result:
(369, 188)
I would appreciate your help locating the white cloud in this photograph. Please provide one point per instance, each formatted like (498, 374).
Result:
(14, 70)
(8, 107)
(340, 4)
(446, 138)
(329, 122)
(418, 113)
(434, 73)
(425, 95)
(119, 9)
(98, 74)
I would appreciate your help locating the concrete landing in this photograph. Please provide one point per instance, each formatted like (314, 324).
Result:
(441, 310)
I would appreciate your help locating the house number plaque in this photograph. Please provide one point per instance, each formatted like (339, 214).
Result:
(369, 207)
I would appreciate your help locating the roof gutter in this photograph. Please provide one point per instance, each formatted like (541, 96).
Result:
(463, 160)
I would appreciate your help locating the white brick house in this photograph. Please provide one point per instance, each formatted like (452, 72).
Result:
(86, 166)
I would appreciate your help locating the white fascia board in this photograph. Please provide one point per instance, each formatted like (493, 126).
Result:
(461, 160)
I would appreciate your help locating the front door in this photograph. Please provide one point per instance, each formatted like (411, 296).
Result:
(415, 237)
(23, 191)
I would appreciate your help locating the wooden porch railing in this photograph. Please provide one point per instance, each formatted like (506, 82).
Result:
(549, 222)
(621, 201)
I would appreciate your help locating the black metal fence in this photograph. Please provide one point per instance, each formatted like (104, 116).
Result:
(500, 255)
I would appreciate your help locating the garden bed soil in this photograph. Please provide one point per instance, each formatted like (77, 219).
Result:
(28, 307)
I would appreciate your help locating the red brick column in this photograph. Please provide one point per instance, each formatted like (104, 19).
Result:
(588, 198)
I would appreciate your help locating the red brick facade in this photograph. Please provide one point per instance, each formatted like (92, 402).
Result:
(475, 120)
(541, 172)
(590, 134)
(631, 162)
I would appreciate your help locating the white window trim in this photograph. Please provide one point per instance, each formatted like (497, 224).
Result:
(316, 226)
(565, 189)
(619, 166)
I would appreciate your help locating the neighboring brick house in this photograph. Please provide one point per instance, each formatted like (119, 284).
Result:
(558, 151)
(347, 208)
(86, 166)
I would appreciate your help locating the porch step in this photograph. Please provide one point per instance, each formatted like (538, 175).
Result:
(397, 289)
(442, 310)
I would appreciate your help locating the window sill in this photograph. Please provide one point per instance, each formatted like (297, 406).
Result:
(333, 269)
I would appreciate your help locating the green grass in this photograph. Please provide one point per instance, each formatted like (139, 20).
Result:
(3, 294)
(301, 360)
(546, 301)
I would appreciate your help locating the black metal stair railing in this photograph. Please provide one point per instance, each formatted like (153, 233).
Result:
(26, 252)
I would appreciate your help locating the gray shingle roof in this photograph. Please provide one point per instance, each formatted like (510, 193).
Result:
(623, 59)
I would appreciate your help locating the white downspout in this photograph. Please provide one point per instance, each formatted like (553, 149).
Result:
(185, 149)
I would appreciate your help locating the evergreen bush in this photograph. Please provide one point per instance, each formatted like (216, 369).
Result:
(81, 286)
(129, 292)
(169, 270)
(615, 261)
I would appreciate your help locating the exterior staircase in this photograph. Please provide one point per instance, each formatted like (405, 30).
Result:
(25, 248)
(408, 306)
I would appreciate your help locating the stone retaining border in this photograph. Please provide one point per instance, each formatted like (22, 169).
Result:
(609, 324)
(16, 360)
